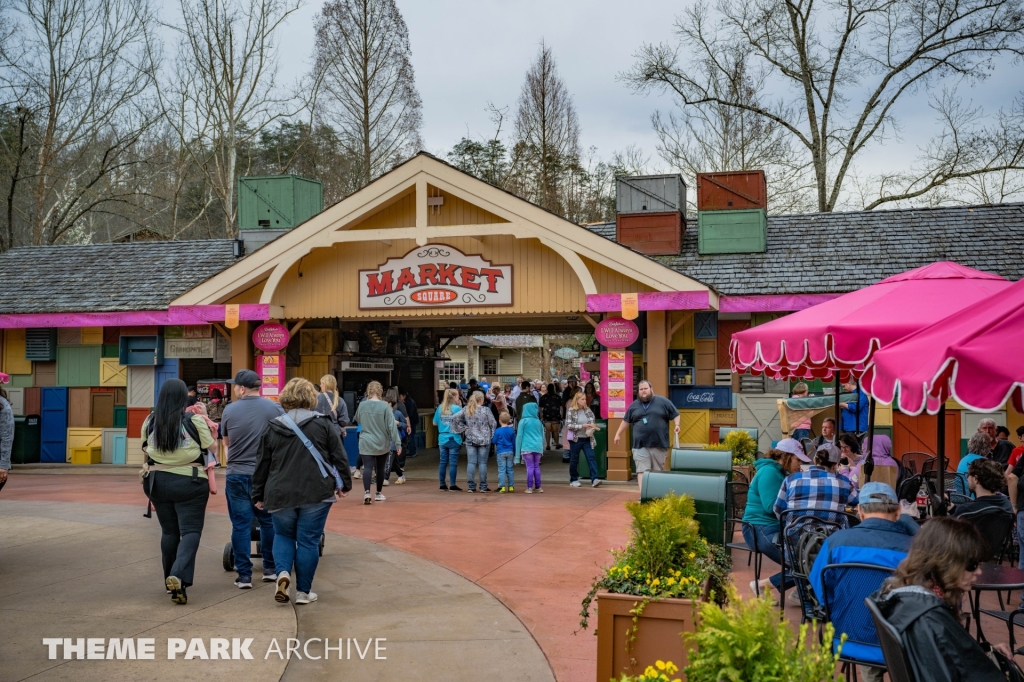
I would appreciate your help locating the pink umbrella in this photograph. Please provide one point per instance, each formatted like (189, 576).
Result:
(4, 378)
(844, 332)
(971, 355)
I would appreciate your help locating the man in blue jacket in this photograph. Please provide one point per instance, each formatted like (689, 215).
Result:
(881, 539)
(855, 412)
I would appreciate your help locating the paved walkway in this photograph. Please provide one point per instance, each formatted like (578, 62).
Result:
(535, 553)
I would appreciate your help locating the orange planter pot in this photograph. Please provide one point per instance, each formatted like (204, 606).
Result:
(658, 635)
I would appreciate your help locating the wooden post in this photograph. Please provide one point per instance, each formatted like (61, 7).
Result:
(618, 455)
(241, 347)
(657, 351)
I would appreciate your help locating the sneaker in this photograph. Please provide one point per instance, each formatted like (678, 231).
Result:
(386, 482)
(766, 591)
(356, 473)
(173, 583)
(538, 490)
(793, 597)
(485, 489)
(367, 499)
(575, 484)
(443, 488)
(244, 584)
(269, 577)
(455, 488)
(283, 581)
(304, 597)
(596, 483)
(380, 497)
(503, 489)
(529, 491)
(565, 460)
(400, 481)
(511, 488)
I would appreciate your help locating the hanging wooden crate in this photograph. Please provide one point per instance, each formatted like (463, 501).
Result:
(318, 342)
(93, 455)
(92, 336)
(69, 336)
(79, 407)
(141, 385)
(112, 373)
(694, 427)
(85, 439)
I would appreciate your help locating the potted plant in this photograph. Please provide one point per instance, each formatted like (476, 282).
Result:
(746, 641)
(743, 448)
(648, 596)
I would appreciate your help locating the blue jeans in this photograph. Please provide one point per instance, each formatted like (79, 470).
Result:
(450, 459)
(767, 548)
(476, 458)
(506, 475)
(574, 458)
(801, 433)
(297, 540)
(238, 490)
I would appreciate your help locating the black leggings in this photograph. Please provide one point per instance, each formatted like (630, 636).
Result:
(180, 504)
(369, 463)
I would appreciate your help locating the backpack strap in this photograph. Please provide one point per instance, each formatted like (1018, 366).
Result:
(325, 468)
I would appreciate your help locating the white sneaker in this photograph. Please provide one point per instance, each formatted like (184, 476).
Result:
(367, 499)
(400, 481)
(538, 490)
(356, 473)
(380, 497)
(269, 577)
(793, 597)
(596, 483)
(575, 484)
(529, 491)
(283, 581)
(304, 597)
(387, 481)
(245, 584)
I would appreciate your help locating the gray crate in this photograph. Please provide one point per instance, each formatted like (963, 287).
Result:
(650, 194)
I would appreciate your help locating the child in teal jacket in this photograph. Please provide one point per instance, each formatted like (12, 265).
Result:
(530, 445)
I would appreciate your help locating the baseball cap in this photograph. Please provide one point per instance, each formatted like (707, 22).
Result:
(247, 378)
(876, 491)
(793, 447)
(834, 455)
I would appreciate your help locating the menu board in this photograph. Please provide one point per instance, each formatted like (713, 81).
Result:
(271, 371)
(616, 383)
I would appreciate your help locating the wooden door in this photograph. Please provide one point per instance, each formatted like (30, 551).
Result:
(726, 328)
(102, 410)
(920, 434)
(706, 361)
(79, 408)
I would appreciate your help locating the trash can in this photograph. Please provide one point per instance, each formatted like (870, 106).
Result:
(351, 444)
(600, 453)
(25, 449)
(702, 461)
(707, 491)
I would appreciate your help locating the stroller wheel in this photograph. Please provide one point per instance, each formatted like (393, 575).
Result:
(229, 558)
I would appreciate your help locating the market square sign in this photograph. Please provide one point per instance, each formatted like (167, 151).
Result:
(435, 276)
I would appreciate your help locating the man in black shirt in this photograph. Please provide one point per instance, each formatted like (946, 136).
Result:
(649, 415)
(1002, 447)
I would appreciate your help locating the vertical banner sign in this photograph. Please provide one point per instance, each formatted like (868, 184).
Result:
(271, 371)
(616, 383)
(630, 306)
(231, 312)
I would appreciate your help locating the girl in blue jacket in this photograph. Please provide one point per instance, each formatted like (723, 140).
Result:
(530, 445)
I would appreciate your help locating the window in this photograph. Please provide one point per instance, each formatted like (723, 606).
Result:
(490, 366)
(453, 371)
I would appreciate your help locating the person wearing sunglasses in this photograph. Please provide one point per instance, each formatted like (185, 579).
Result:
(922, 602)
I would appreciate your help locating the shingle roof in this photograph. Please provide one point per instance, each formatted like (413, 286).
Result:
(107, 277)
(840, 252)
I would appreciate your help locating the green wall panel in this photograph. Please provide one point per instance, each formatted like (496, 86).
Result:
(732, 231)
(78, 365)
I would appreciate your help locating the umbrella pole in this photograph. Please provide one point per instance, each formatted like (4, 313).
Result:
(869, 463)
(940, 464)
(839, 413)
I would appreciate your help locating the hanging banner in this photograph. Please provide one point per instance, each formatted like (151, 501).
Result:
(616, 383)
(615, 332)
(271, 337)
(231, 313)
(435, 276)
(271, 371)
(630, 306)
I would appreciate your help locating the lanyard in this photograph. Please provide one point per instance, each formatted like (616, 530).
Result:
(646, 405)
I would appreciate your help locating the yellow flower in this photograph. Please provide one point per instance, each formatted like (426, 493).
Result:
(660, 664)
(650, 672)
(693, 554)
(657, 581)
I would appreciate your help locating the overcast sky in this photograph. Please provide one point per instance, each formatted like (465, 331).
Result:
(469, 52)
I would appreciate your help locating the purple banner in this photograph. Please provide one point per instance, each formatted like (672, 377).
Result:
(651, 300)
(193, 314)
(771, 303)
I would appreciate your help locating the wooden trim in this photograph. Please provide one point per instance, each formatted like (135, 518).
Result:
(220, 330)
(297, 327)
(588, 318)
(687, 316)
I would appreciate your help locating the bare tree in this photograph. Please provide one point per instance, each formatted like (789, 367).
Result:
(225, 89)
(78, 74)
(368, 88)
(844, 66)
(547, 133)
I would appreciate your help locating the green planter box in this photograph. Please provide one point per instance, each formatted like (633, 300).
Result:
(732, 231)
(600, 453)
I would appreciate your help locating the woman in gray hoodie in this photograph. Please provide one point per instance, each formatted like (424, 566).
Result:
(6, 436)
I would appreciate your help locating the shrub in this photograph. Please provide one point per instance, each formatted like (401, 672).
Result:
(743, 447)
(746, 641)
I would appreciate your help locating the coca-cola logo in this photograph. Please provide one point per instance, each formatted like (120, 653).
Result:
(700, 398)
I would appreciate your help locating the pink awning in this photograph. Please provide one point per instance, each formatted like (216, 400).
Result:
(971, 355)
(4, 378)
(844, 332)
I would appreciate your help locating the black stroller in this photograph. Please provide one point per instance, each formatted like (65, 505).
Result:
(229, 552)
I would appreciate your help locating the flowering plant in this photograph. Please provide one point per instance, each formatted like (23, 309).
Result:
(665, 558)
(659, 672)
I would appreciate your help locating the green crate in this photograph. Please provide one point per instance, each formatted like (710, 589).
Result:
(120, 416)
(111, 350)
(600, 453)
(22, 380)
(78, 365)
(277, 202)
(707, 491)
(743, 231)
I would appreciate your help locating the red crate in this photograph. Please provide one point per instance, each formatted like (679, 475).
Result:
(653, 234)
(136, 416)
(731, 191)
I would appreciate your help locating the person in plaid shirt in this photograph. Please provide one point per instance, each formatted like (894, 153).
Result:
(818, 487)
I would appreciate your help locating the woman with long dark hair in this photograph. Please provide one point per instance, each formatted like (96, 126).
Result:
(922, 601)
(174, 478)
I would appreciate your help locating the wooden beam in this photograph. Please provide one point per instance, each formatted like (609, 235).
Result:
(450, 339)
(221, 330)
(297, 327)
(591, 320)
